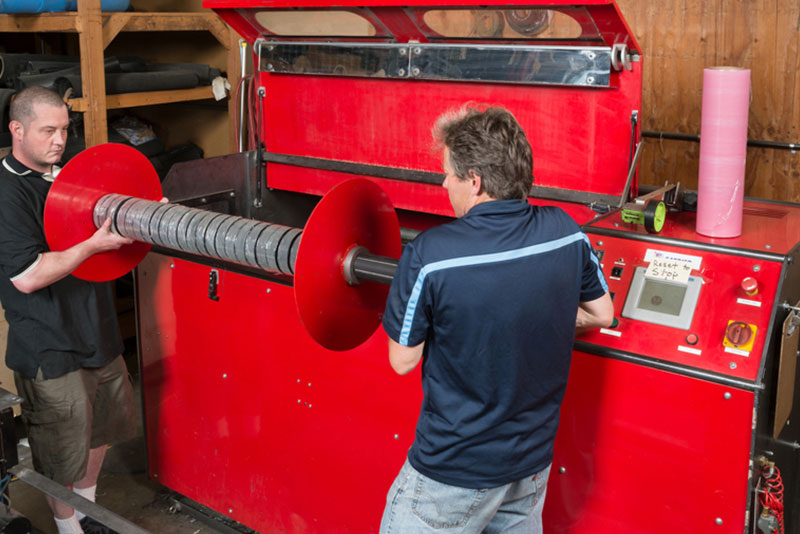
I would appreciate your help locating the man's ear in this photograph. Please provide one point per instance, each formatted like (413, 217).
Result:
(17, 129)
(476, 182)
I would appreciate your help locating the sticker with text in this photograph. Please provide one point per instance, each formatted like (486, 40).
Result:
(669, 270)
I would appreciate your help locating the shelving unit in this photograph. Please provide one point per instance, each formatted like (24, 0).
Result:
(96, 30)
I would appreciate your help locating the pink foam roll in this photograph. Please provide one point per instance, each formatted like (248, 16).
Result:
(723, 150)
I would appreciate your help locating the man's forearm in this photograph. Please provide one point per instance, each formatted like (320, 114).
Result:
(595, 313)
(52, 267)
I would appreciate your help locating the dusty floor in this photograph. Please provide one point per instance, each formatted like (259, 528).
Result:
(122, 488)
(131, 495)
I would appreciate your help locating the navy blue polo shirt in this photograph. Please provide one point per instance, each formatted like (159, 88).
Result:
(494, 296)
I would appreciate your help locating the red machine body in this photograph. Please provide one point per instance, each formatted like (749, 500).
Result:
(249, 416)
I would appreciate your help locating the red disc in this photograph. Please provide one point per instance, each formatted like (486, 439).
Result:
(95, 172)
(354, 213)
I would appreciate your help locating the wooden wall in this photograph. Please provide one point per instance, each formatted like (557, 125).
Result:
(681, 37)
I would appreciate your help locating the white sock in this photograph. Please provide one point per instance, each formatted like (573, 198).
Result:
(86, 493)
(69, 525)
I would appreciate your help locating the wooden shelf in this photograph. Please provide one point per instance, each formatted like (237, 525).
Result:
(150, 98)
(96, 30)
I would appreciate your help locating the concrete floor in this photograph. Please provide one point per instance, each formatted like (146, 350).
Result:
(122, 488)
(131, 495)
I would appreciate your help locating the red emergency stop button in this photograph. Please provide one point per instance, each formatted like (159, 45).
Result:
(738, 333)
(692, 339)
(750, 285)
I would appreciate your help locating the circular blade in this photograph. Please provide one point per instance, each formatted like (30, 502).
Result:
(354, 213)
(95, 172)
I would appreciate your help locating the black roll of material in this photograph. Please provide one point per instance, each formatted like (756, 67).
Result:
(131, 82)
(205, 74)
(11, 65)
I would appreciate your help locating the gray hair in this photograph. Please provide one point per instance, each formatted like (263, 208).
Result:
(492, 145)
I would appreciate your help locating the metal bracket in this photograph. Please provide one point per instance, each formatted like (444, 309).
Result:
(631, 173)
(582, 66)
(213, 284)
(621, 57)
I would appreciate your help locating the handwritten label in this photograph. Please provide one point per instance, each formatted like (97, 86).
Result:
(669, 269)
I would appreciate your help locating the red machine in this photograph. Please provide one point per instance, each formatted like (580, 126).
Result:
(267, 396)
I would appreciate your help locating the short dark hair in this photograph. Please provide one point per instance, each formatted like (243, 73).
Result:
(493, 145)
(21, 108)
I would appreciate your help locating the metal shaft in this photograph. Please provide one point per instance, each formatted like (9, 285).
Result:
(266, 246)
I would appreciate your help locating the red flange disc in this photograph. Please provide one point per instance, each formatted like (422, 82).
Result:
(92, 174)
(354, 213)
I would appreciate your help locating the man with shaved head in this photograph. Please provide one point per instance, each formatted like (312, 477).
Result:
(64, 344)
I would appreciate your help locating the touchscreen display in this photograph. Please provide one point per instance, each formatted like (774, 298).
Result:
(661, 297)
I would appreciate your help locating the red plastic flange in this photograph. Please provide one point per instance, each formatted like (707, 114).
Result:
(354, 213)
(92, 174)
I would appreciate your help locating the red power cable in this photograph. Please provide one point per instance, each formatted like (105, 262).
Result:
(772, 498)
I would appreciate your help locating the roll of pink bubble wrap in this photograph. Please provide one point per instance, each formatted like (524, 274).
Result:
(723, 148)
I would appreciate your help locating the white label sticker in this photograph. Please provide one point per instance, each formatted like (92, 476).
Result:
(738, 352)
(669, 269)
(610, 332)
(690, 350)
(749, 302)
(696, 261)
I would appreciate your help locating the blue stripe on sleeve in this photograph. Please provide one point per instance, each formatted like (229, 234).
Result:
(480, 259)
(602, 278)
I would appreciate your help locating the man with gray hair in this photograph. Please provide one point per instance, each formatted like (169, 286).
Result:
(489, 303)
(64, 344)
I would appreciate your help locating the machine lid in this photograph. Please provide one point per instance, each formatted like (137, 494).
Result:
(586, 23)
(381, 74)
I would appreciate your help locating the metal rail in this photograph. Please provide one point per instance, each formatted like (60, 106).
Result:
(72, 499)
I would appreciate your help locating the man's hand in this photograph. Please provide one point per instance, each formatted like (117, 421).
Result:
(53, 266)
(104, 239)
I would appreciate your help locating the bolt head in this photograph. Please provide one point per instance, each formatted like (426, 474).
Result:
(396, 436)
(401, 72)
(415, 71)
(562, 470)
(224, 375)
(727, 396)
(756, 268)
(732, 365)
(718, 521)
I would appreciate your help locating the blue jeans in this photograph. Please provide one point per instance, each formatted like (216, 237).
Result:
(417, 504)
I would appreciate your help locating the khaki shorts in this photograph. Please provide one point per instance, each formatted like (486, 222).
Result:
(68, 415)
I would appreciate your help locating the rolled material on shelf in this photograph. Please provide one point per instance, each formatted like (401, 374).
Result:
(11, 65)
(723, 149)
(130, 82)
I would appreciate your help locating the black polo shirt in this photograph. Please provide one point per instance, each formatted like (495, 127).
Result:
(60, 328)
(494, 295)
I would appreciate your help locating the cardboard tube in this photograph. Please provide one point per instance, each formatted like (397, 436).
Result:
(723, 150)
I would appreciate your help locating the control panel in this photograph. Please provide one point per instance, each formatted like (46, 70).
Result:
(701, 309)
